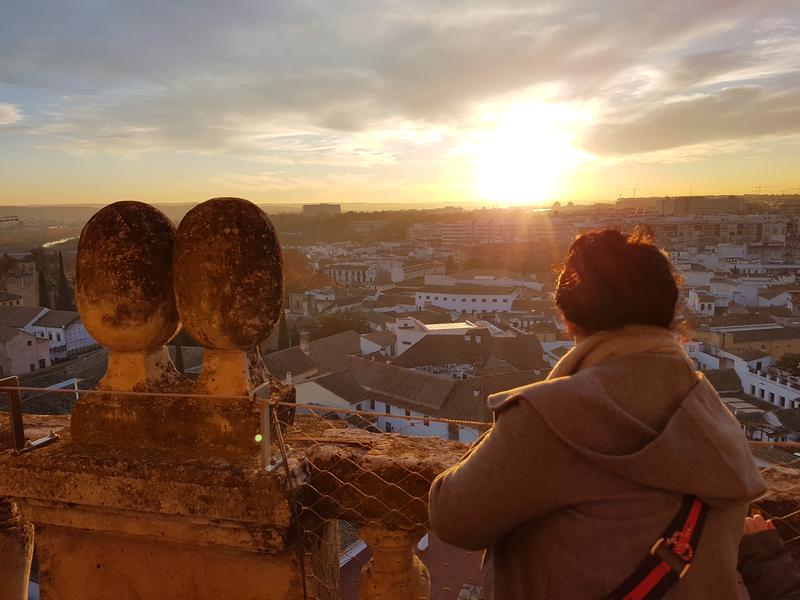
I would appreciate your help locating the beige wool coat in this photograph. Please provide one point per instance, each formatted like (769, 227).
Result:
(581, 473)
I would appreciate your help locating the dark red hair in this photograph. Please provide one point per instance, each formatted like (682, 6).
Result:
(611, 279)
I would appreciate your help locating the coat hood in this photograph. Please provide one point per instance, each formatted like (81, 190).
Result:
(616, 404)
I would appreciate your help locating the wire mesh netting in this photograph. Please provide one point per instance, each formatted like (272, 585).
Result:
(375, 467)
(361, 467)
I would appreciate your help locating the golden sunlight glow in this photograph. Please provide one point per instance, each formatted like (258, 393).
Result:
(524, 159)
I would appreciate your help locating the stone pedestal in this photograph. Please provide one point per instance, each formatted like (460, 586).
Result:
(114, 523)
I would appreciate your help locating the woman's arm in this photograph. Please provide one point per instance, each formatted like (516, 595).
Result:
(512, 474)
(767, 567)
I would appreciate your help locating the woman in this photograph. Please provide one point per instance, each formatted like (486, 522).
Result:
(582, 473)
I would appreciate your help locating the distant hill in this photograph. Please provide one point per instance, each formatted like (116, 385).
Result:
(78, 214)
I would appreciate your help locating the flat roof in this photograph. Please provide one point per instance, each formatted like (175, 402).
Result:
(443, 326)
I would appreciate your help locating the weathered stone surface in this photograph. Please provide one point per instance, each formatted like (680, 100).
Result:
(198, 426)
(151, 481)
(123, 280)
(228, 273)
(35, 426)
(81, 565)
(394, 572)
(16, 552)
(365, 477)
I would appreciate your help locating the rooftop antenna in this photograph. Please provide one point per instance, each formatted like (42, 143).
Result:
(759, 187)
(634, 189)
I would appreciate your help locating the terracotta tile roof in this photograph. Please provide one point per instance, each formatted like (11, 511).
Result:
(523, 352)
(724, 380)
(382, 338)
(748, 354)
(465, 288)
(9, 333)
(18, 316)
(57, 318)
(289, 360)
(782, 333)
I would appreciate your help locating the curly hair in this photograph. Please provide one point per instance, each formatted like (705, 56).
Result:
(611, 279)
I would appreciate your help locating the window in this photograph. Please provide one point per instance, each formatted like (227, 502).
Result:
(372, 404)
(33, 367)
(388, 409)
(474, 300)
(30, 343)
(494, 300)
(406, 343)
(41, 363)
(436, 297)
(58, 337)
(427, 297)
(408, 413)
(50, 336)
(483, 299)
(463, 299)
(358, 406)
(762, 394)
(772, 396)
(426, 420)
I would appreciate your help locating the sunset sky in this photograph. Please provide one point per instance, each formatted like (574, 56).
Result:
(406, 101)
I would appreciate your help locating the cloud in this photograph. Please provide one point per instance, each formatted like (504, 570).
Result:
(333, 83)
(9, 114)
(747, 112)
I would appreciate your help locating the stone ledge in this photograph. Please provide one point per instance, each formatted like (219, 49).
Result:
(150, 483)
(366, 477)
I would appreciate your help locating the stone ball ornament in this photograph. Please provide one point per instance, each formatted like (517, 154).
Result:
(228, 274)
(123, 280)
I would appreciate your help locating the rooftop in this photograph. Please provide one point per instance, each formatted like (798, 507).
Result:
(467, 289)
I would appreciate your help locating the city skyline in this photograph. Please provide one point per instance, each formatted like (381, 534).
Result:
(398, 102)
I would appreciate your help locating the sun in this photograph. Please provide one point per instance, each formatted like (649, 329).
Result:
(523, 159)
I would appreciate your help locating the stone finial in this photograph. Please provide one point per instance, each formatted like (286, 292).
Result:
(228, 277)
(124, 293)
(394, 572)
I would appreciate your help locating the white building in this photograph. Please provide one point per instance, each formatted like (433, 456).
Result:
(467, 298)
(409, 331)
(21, 352)
(65, 332)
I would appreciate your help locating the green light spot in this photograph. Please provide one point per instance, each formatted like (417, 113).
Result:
(259, 437)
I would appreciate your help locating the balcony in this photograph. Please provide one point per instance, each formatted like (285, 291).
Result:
(223, 487)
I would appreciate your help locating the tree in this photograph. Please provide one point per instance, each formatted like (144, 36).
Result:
(63, 292)
(299, 276)
(789, 362)
(44, 291)
(283, 333)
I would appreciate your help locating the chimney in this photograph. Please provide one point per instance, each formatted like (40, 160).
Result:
(304, 342)
(288, 378)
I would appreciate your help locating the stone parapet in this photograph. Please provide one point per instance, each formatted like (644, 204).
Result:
(156, 489)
